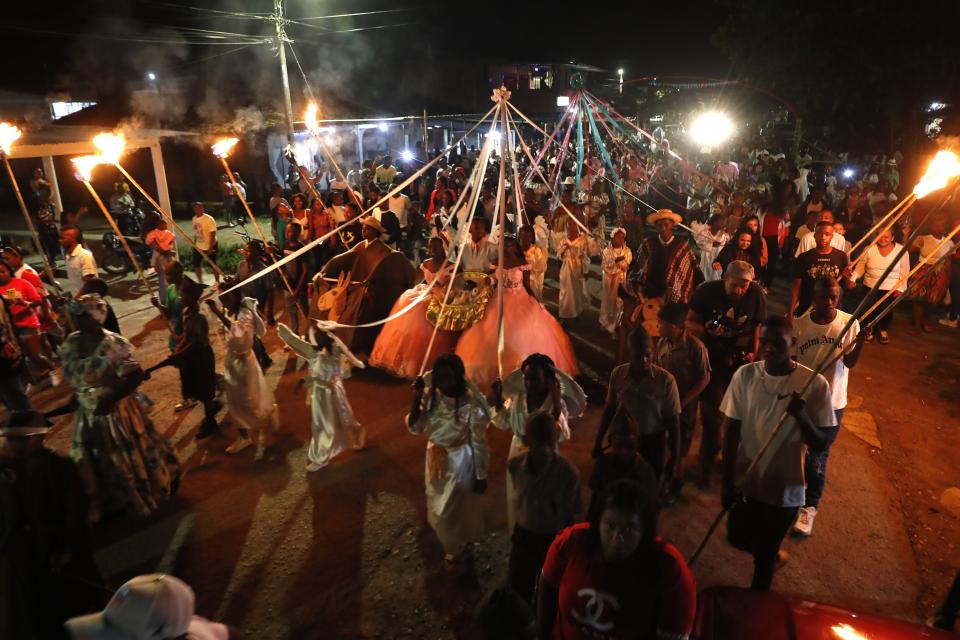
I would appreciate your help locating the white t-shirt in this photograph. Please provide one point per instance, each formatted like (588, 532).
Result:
(478, 256)
(80, 263)
(818, 341)
(203, 226)
(875, 264)
(399, 204)
(757, 400)
(809, 241)
(338, 212)
(928, 244)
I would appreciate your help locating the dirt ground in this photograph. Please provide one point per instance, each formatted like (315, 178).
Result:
(346, 552)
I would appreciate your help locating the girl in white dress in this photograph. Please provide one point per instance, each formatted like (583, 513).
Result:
(453, 415)
(574, 251)
(616, 259)
(536, 386)
(250, 400)
(334, 427)
(710, 239)
(536, 258)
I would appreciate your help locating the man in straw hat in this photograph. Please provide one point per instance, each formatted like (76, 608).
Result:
(47, 571)
(666, 266)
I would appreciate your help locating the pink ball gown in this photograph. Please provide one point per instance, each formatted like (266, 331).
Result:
(528, 328)
(402, 343)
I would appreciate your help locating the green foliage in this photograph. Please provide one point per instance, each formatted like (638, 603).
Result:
(229, 256)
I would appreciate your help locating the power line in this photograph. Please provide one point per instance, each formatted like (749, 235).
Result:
(141, 39)
(382, 26)
(306, 82)
(220, 12)
(359, 13)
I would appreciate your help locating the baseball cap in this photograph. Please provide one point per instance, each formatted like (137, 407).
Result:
(150, 607)
(739, 270)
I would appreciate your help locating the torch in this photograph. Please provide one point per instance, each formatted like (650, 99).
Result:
(310, 118)
(8, 135)
(84, 166)
(222, 149)
(942, 168)
(111, 147)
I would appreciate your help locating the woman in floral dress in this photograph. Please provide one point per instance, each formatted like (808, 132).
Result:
(130, 466)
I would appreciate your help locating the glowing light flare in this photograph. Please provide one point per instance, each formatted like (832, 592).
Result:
(310, 118)
(382, 126)
(711, 129)
(944, 166)
(846, 632)
(222, 147)
(110, 146)
(848, 173)
(85, 164)
(8, 135)
(406, 155)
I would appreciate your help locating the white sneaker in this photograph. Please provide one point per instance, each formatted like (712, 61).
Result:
(239, 445)
(804, 524)
(953, 324)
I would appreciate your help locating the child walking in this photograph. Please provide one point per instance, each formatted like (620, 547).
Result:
(616, 260)
(250, 400)
(574, 251)
(334, 427)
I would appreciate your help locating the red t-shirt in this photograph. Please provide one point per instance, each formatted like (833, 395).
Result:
(19, 293)
(771, 225)
(606, 601)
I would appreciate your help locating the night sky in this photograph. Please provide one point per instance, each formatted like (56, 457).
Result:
(59, 45)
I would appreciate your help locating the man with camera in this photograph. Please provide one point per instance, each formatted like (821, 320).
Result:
(726, 315)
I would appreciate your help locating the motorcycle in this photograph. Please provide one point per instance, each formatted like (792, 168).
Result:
(130, 220)
(116, 261)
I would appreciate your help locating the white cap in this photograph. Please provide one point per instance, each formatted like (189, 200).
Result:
(151, 607)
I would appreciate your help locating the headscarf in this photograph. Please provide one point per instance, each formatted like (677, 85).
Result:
(90, 304)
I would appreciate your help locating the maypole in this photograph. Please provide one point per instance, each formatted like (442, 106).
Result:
(501, 95)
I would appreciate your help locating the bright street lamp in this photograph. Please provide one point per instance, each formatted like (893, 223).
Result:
(711, 128)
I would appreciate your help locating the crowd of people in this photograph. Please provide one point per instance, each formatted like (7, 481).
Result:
(695, 338)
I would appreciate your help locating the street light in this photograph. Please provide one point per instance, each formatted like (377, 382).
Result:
(711, 128)
(151, 76)
(620, 72)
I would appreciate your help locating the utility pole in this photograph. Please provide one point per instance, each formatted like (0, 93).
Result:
(281, 47)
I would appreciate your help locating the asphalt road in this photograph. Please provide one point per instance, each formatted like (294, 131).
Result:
(346, 552)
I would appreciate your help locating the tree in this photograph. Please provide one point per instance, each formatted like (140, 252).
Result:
(865, 69)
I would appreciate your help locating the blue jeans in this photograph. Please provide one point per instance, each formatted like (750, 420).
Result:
(815, 465)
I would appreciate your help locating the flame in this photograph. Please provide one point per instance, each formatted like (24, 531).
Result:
(85, 165)
(111, 146)
(8, 135)
(311, 118)
(944, 166)
(224, 146)
(846, 632)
